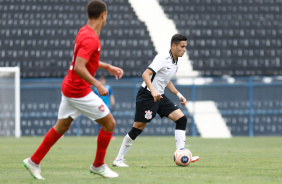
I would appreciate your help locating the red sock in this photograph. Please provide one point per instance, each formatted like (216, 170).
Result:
(103, 141)
(49, 140)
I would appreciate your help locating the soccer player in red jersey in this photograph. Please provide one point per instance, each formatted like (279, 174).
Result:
(77, 96)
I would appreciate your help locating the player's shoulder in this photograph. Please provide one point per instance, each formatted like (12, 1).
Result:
(87, 33)
(163, 56)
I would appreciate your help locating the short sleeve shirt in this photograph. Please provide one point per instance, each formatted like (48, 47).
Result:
(164, 68)
(87, 46)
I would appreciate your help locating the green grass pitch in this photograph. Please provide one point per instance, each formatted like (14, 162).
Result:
(237, 160)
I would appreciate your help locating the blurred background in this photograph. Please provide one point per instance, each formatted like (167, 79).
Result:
(231, 74)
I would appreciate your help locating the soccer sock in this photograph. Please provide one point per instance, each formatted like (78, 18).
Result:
(125, 146)
(180, 137)
(180, 132)
(127, 141)
(103, 141)
(49, 140)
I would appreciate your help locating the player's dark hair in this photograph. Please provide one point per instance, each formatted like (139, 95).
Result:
(95, 8)
(177, 38)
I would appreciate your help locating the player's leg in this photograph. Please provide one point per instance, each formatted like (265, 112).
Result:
(65, 116)
(107, 124)
(99, 167)
(180, 129)
(51, 137)
(145, 111)
(94, 108)
(136, 130)
(169, 109)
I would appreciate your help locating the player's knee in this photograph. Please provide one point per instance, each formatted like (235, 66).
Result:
(109, 126)
(112, 125)
(181, 123)
(61, 129)
(134, 132)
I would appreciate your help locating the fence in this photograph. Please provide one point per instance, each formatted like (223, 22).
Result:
(250, 106)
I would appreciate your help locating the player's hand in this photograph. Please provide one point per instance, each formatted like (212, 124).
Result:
(157, 96)
(116, 71)
(183, 101)
(102, 90)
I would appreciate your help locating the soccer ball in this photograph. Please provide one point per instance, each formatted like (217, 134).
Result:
(182, 157)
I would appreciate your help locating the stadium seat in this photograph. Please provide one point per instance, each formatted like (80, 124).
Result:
(240, 33)
(41, 32)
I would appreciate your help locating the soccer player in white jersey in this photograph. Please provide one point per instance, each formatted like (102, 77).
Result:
(151, 99)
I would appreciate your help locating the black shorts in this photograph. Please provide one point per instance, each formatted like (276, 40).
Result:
(146, 108)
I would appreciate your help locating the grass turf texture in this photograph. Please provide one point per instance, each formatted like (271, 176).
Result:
(237, 160)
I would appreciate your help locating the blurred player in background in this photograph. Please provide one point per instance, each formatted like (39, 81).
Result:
(77, 96)
(151, 99)
(109, 99)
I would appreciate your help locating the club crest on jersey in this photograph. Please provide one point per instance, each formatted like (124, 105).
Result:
(102, 108)
(148, 114)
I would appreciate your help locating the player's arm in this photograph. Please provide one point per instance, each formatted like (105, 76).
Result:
(173, 90)
(81, 70)
(116, 71)
(112, 100)
(146, 77)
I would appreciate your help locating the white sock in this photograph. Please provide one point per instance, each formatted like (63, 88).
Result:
(180, 137)
(125, 146)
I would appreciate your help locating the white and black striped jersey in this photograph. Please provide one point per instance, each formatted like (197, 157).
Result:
(164, 67)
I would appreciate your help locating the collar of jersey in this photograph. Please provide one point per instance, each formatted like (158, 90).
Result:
(173, 61)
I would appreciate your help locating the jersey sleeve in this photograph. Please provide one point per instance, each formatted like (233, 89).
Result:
(87, 47)
(157, 63)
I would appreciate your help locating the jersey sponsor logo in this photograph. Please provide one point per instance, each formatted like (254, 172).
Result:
(102, 108)
(148, 114)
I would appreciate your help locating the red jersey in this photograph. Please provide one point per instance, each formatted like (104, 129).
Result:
(87, 45)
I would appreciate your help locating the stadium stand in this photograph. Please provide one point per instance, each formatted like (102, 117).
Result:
(238, 38)
(225, 37)
(38, 36)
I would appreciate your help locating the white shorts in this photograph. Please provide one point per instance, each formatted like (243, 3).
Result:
(91, 106)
